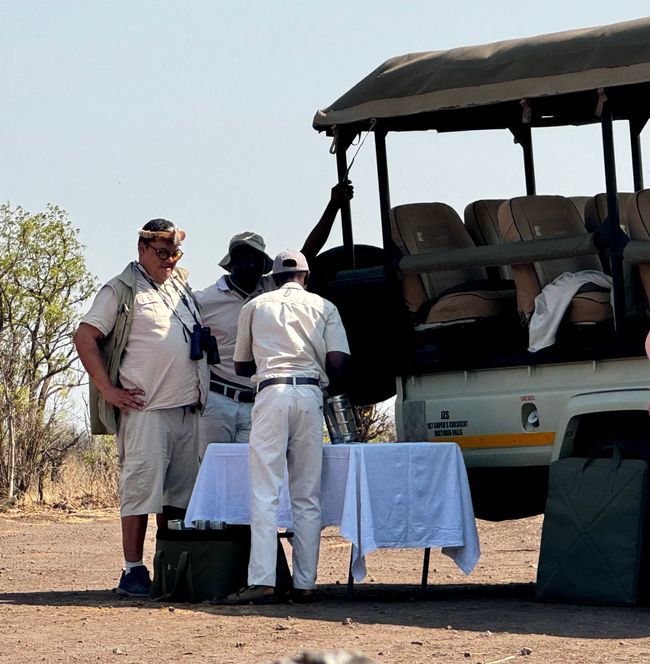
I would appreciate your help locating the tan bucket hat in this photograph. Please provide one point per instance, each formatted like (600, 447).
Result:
(249, 239)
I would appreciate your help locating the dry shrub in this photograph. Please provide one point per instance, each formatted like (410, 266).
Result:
(88, 477)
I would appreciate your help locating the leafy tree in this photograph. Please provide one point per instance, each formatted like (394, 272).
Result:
(43, 280)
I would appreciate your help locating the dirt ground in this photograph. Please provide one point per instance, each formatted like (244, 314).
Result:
(56, 570)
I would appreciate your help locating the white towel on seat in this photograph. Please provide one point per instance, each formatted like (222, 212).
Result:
(552, 303)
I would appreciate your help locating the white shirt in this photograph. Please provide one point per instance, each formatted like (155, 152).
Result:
(220, 307)
(157, 354)
(288, 332)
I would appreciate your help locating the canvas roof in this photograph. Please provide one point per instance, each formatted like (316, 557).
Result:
(478, 87)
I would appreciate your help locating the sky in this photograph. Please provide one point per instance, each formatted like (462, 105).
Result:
(200, 112)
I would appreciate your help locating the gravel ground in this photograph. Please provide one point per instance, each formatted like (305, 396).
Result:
(57, 568)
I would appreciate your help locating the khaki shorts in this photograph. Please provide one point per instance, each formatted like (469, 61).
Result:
(159, 460)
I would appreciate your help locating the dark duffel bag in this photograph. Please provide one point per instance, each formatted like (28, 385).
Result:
(206, 565)
(594, 531)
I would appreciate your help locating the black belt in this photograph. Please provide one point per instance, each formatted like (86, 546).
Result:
(288, 380)
(243, 395)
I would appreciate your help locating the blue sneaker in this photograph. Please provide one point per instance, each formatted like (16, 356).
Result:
(137, 583)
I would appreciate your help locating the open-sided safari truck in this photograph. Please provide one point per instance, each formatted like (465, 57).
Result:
(441, 314)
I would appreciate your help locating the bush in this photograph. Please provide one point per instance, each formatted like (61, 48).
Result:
(87, 478)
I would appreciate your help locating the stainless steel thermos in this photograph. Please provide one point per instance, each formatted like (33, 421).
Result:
(340, 420)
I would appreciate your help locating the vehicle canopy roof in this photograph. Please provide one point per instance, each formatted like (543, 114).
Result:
(547, 80)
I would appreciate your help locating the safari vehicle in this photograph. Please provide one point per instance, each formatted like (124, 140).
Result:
(442, 313)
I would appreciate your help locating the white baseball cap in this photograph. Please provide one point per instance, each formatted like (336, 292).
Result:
(290, 260)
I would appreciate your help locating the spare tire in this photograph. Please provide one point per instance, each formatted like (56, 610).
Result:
(373, 314)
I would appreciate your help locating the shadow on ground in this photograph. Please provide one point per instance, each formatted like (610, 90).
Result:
(497, 608)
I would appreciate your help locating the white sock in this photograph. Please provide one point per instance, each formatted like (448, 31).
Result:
(128, 565)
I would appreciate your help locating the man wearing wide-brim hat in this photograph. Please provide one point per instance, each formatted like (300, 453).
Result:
(227, 414)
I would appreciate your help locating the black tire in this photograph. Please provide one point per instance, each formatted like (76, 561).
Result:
(373, 316)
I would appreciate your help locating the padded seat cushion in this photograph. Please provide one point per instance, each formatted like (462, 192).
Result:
(413, 291)
(596, 211)
(481, 221)
(455, 307)
(444, 297)
(419, 228)
(590, 305)
(541, 218)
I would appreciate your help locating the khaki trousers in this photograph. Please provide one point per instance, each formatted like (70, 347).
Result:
(224, 421)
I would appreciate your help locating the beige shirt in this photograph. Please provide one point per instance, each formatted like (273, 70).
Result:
(288, 332)
(157, 354)
(220, 307)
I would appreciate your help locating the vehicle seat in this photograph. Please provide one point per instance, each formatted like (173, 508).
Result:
(483, 226)
(545, 218)
(596, 211)
(581, 204)
(449, 297)
(638, 219)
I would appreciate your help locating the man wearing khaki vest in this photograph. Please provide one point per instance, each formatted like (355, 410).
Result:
(135, 344)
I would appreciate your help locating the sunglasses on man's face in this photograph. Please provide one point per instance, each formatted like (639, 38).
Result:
(165, 254)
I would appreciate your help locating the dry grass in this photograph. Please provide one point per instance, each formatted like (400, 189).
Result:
(87, 480)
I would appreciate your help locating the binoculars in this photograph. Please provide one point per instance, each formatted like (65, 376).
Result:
(201, 340)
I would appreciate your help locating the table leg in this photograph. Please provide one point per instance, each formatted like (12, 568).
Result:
(350, 589)
(425, 569)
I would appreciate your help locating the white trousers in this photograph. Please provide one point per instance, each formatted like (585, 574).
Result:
(287, 433)
(224, 421)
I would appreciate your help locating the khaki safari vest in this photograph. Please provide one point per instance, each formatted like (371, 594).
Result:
(104, 417)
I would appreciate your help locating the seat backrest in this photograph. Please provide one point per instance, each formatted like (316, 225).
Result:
(596, 210)
(581, 204)
(638, 217)
(419, 228)
(542, 218)
(482, 224)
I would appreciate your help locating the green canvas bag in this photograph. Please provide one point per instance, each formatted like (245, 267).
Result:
(594, 531)
(205, 565)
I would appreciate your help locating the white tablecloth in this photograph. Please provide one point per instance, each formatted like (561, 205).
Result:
(383, 495)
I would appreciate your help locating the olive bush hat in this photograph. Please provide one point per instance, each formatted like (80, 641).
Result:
(249, 239)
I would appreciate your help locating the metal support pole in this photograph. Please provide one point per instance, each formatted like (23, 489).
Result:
(350, 589)
(425, 569)
(523, 136)
(636, 126)
(346, 215)
(529, 162)
(615, 237)
(384, 188)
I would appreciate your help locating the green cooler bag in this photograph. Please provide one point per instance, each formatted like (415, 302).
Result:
(593, 533)
(205, 565)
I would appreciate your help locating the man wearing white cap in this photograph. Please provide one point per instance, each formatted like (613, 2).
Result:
(293, 344)
(145, 387)
(227, 415)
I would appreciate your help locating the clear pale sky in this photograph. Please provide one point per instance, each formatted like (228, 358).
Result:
(200, 112)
